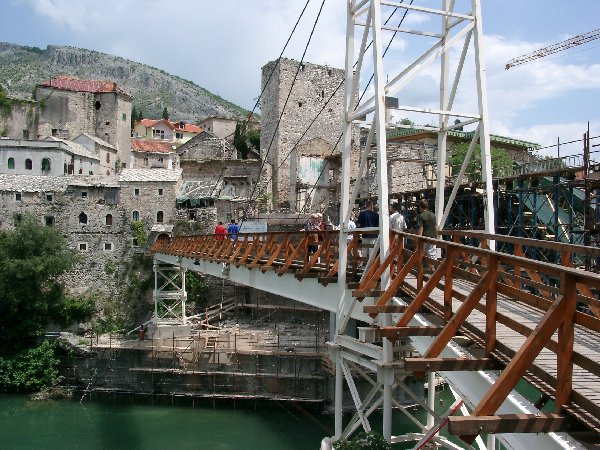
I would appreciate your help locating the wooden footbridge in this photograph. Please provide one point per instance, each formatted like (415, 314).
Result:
(486, 320)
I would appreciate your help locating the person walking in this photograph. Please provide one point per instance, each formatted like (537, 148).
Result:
(397, 221)
(368, 218)
(427, 227)
(220, 231)
(233, 229)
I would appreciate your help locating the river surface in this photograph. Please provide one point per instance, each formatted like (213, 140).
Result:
(63, 424)
(94, 424)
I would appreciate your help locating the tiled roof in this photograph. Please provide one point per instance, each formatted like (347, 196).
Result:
(187, 127)
(128, 175)
(151, 146)
(32, 183)
(77, 85)
(74, 148)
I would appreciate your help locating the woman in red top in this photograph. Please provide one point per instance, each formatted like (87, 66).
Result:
(220, 231)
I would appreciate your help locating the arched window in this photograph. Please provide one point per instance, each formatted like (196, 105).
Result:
(107, 157)
(109, 219)
(28, 164)
(83, 218)
(46, 165)
(11, 163)
(159, 217)
(135, 216)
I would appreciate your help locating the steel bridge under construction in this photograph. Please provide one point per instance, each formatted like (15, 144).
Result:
(484, 320)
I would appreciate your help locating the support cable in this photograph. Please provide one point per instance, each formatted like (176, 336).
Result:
(264, 159)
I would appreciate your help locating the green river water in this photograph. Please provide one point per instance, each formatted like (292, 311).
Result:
(64, 424)
(67, 424)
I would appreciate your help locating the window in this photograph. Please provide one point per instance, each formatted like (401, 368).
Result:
(134, 242)
(135, 216)
(158, 134)
(108, 246)
(160, 191)
(11, 163)
(124, 117)
(329, 72)
(109, 219)
(136, 192)
(322, 93)
(301, 67)
(49, 221)
(18, 196)
(107, 123)
(46, 165)
(159, 217)
(25, 134)
(107, 157)
(300, 104)
(160, 159)
(178, 135)
(97, 105)
(83, 193)
(49, 197)
(146, 161)
(83, 218)
(28, 164)
(54, 132)
(83, 246)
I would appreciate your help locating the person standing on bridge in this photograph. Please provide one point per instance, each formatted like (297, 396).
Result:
(396, 219)
(233, 229)
(368, 218)
(428, 228)
(220, 231)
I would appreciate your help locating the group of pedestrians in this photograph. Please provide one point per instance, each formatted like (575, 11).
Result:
(232, 230)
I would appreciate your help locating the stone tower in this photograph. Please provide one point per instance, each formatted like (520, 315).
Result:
(305, 160)
(70, 106)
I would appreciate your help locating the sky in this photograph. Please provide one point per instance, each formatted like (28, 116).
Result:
(222, 46)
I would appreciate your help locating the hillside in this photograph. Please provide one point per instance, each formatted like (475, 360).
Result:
(21, 68)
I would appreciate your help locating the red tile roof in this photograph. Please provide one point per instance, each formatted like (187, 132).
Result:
(187, 127)
(77, 85)
(148, 146)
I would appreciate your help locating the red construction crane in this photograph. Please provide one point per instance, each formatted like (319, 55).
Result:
(554, 48)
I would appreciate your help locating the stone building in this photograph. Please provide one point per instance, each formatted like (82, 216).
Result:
(52, 157)
(221, 127)
(214, 177)
(95, 214)
(69, 106)
(146, 154)
(106, 152)
(20, 120)
(305, 156)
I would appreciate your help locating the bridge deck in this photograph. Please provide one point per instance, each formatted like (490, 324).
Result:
(529, 321)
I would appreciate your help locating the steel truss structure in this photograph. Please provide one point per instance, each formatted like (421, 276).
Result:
(458, 30)
(169, 294)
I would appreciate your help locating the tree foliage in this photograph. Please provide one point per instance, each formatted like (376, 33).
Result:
(29, 370)
(133, 116)
(165, 114)
(502, 161)
(31, 258)
(363, 440)
(239, 140)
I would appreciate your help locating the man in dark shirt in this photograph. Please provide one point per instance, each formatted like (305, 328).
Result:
(368, 218)
(428, 228)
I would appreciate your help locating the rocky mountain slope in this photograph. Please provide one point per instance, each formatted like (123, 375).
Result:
(21, 68)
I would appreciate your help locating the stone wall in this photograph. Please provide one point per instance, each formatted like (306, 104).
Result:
(21, 122)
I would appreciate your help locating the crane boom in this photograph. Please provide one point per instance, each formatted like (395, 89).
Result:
(555, 48)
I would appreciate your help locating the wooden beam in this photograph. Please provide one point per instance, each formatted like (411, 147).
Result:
(450, 364)
(394, 333)
(385, 309)
(507, 423)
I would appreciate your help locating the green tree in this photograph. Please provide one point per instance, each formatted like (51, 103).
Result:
(371, 440)
(32, 256)
(5, 102)
(239, 140)
(29, 370)
(140, 115)
(133, 116)
(502, 161)
(165, 114)
(406, 121)
(253, 137)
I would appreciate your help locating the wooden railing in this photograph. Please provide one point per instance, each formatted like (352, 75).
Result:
(565, 298)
